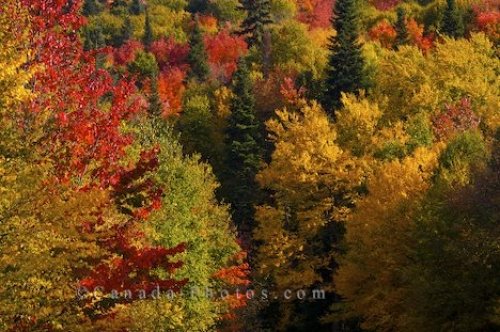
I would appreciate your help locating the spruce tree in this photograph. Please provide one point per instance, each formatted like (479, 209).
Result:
(345, 70)
(244, 151)
(197, 6)
(155, 105)
(126, 32)
(93, 39)
(136, 7)
(402, 37)
(147, 38)
(257, 18)
(452, 23)
(119, 7)
(197, 57)
(90, 7)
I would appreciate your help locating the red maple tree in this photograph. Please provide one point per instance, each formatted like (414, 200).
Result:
(84, 138)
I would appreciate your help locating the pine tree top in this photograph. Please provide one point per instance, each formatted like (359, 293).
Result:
(402, 36)
(197, 57)
(147, 38)
(258, 16)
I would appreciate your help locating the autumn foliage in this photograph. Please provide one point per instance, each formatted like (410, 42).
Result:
(253, 165)
(224, 50)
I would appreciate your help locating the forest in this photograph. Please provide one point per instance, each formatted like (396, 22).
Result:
(250, 165)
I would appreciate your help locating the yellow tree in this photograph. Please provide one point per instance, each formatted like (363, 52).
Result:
(409, 82)
(378, 240)
(313, 184)
(35, 221)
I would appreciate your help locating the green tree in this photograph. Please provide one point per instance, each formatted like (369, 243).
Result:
(126, 32)
(258, 17)
(90, 7)
(155, 106)
(345, 70)
(402, 37)
(147, 38)
(136, 7)
(119, 7)
(254, 27)
(198, 6)
(144, 65)
(190, 214)
(244, 154)
(197, 57)
(93, 39)
(452, 23)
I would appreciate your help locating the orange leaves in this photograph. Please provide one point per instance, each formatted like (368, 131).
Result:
(223, 51)
(290, 92)
(171, 89)
(416, 32)
(208, 23)
(132, 273)
(384, 32)
(236, 275)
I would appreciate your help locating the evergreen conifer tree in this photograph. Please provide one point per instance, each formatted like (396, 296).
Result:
(345, 70)
(136, 7)
(93, 39)
(147, 38)
(197, 6)
(402, 37)
(125, 33)
(197, 57)
(452, 23)
(90, 7)
(244, 151)
(155, 106)
(119, 7)
(257, 18)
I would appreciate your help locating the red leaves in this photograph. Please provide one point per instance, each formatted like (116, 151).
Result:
(132, 270)
(385, 4)
(224, 50)
(488, 17)
(126, 53)
(87, 144)
(316, 13)
(87, 136)
(235, 275)
(170, 54)
(385, 33)
(290, 92)
(455, 119)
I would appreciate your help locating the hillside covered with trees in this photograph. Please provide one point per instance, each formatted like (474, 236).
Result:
(250, 165)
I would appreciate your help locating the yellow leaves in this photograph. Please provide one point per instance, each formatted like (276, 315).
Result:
(312, 178)
(414, 82)
(305, 147)
(356, 123)
(378, 233)
(223, 96)
(13, 54)
(396, 181)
